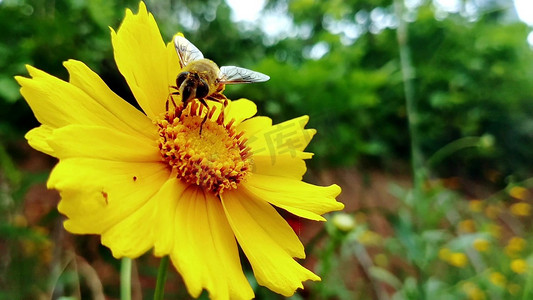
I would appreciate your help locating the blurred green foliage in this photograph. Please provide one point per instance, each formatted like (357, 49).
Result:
(338, 62)
(444, 246)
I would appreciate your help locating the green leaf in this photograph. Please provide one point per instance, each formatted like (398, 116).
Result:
(385, 276)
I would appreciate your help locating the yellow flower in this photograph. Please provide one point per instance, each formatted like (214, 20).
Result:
(150, 180)
(515, 245)
(521, 209)
(20, 220)
(370, 238)
(458, 259)
(492, 211)
(475, 205)
(481, 244)
(467, 225)
(519, 192)
(381, 260)
(497, 279)
(473, 291)
(519, 266)
(444, 254)
(343, 221)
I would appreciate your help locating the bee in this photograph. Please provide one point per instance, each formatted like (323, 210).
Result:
(202, 79)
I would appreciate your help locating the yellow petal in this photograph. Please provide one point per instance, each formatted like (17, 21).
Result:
(273, 267)
(288, 137)
(283, 165)
(297, 197)
(142, 58)
(240, 110)
(150, 225)
(97, 194)
(235, 111)
(133, 235)
(271, 222)
(173, 64)
(164, 226)
(103, 143)
(254, 125)
(38, 139)
(57, 103)
(84, 78)
(205, 252)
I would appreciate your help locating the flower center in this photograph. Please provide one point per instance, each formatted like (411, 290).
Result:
(211, 155)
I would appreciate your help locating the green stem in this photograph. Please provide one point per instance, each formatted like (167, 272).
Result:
(125, 279)
(161, 278)
(408, 74)
(449, 149)
(420, 173)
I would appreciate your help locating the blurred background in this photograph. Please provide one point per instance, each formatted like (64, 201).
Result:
(424, 116)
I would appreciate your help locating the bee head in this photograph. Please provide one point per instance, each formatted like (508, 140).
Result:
(191, 86)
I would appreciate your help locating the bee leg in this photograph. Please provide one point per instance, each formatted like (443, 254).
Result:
(205, 117)
(219, 98)
(180, 112)
(171, 98)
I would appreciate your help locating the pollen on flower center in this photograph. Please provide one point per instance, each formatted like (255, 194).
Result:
(216, 160)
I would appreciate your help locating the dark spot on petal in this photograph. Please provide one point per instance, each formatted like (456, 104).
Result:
(134, 178)
(105, 197)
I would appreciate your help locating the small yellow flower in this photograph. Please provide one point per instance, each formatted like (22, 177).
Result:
(381, 260)
(343, 221)
(370, 238)
(475, 205)
(519, 192)
(477, 294)
(521, 209)
(473, 291)
(149, 180)
(481, 244)
(467, 226)
(515, 245)
(458, 259)
(519, 266)
(492, 211)
(497, 279)
(444, 254)
(19, 220)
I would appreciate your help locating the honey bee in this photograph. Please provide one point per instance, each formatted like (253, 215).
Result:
(202, 79)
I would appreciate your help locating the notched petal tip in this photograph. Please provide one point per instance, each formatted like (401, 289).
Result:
(142, 58)
(72, 63)
(34, 72)
(142, 7)
(335, 190)
(21, 80)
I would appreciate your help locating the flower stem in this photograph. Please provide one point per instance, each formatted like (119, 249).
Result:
(420, 173)
(449, 149)
(408, 74)
(161, 278)
(125, 279)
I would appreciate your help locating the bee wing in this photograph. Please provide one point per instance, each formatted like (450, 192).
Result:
(232, 74)
(187, 52)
